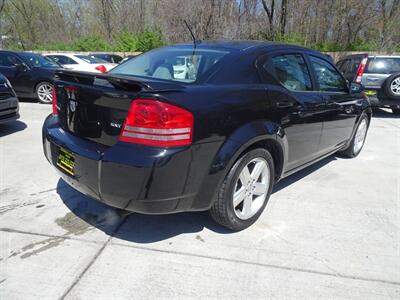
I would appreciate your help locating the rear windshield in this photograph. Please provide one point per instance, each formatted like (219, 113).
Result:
(383, 65)
(173, 64)
(91, 59)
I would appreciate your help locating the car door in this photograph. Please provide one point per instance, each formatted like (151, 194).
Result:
(340, 112)
(298, 107)
(16, 71)
(8, 66)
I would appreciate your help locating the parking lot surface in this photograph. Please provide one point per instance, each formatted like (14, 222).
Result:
(330, 231)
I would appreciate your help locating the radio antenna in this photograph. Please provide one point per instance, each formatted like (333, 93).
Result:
(191, 33)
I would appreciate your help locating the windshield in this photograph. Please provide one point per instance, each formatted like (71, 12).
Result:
(91, 59)
(174, 64)
(37, 60)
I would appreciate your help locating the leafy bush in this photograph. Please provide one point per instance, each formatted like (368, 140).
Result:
(149, 39)
(91, 43)
(125, 41)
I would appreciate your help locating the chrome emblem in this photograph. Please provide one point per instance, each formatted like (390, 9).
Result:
(72, 105)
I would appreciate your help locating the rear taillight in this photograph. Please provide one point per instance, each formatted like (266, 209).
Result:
(361, 69)
(154, 123)
(54, 101)
(101, 68)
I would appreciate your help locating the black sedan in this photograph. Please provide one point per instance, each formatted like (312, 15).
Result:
(30, 74)
(9, 106)
(143, 138)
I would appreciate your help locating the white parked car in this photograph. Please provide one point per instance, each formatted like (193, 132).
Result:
(81, 62)
(182, 67)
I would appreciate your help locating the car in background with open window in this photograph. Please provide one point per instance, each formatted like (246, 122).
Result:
(81, 62)
(379, 74)
(30, 74)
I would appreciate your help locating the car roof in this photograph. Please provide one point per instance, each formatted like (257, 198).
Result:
(362, 55)
(63, 53)
(241, 45)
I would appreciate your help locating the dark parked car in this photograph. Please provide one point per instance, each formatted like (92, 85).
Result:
(379, 74)
(30, 74)
(112, 58)
(9, 107)
(140, 139)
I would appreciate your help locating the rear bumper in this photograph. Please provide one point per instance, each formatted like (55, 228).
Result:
(9, 109)
(131, 177)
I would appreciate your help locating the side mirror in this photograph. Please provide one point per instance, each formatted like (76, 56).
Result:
(356, 88)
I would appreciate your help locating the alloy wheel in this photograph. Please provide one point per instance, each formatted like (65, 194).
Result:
(251, 188)
(359, 138)
(45, 93)
(395, 86)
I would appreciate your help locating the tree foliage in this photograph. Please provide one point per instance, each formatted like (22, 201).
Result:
(140, 25)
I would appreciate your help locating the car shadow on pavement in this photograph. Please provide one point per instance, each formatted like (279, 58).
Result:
(140, 228)
(384, 114)
(11, 127)
(135, 227)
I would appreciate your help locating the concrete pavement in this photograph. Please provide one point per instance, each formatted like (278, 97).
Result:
(330, 231)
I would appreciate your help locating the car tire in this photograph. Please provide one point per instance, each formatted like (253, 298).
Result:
(255, 192)
(358, 139)
(391, 86)
(44, 92)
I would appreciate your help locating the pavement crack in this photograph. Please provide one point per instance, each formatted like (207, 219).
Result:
(286, 268)
(91, 262)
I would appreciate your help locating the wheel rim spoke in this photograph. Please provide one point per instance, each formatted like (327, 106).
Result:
(248, 201)
(239, 196)
(260, 188)
(258, 168)
(245, 176)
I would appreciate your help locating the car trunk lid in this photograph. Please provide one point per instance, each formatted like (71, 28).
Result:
(94, 106)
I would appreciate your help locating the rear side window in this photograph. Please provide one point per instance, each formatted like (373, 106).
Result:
(355, 65)
(291, 70)
(329, 79)
(383, 65)
(343, 65)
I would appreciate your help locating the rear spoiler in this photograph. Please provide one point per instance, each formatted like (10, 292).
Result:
(124, 82)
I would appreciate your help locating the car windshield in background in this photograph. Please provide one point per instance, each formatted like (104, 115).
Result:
(91, 59)
(184, 65)
(37, 60)
(383, 65)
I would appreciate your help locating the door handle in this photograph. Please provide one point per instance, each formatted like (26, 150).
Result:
(284, 104)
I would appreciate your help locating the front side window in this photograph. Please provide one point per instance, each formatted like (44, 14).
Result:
(173, 64)
(291, 70)
(37, 60)
(329, 79)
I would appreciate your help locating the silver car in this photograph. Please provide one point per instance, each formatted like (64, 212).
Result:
(379, 74)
